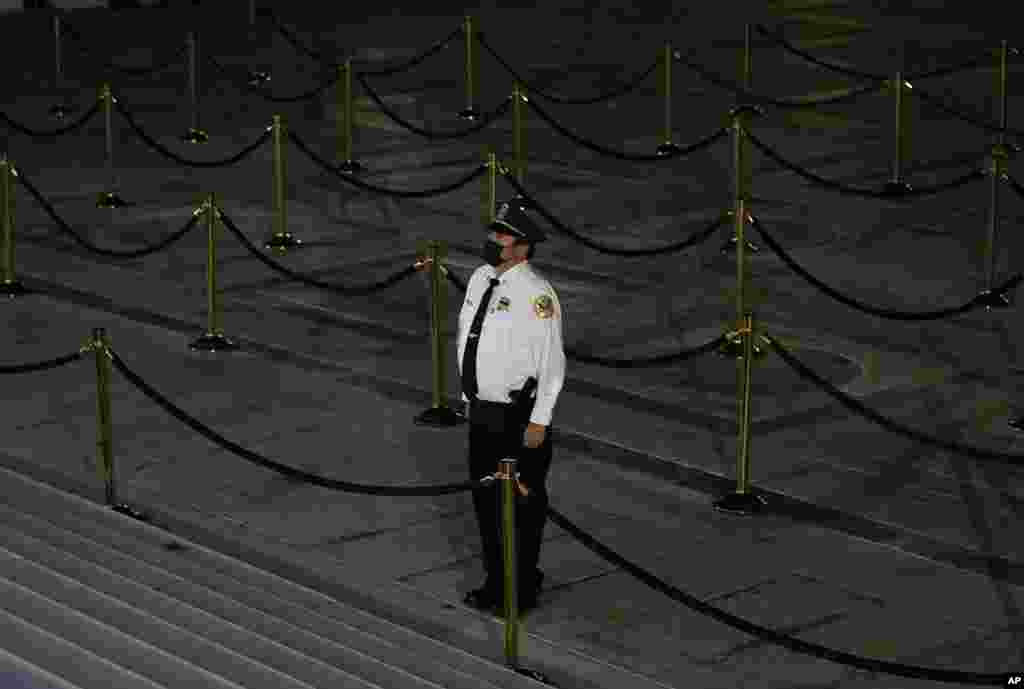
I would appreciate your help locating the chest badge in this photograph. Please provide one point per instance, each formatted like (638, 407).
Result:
(543, 306)
(503, 304)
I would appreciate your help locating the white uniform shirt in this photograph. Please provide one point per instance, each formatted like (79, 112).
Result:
(519, 337)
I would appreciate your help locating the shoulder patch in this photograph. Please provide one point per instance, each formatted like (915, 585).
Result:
(543, 306)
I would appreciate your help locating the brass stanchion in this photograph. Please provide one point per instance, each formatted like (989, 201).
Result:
(469, 112)
(739, 243)
(666, 146)
(99, 343)
(1003, 53)
(109, 198)
(439, 415)
(509, 482)
(742, 172)
(518, 140)
(896, 185)
(62, 108)
(281, 240)
(104, 442)
(742, 501)
(213, 340)
(346, 119)
(490, 188)
(10, 286)
(194, 135)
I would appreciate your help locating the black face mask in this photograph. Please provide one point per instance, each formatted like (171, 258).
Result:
(492, 252)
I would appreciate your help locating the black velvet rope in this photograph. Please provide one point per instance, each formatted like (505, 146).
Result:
(339, 289)
(41, 365)
(861, 306)
(777, 37)
(134, 253)
(164, 151)
(290, 36)
(792, 103)
(617, 92)
(957, 112)
(306, 95)
(862, 409)
(1015, 185)
(633, 157)
(485, 120)
(414, 61)
(42, 133)
(292, 472)
(355, 181)
(764, 633)
(603, 248)
(841, 188)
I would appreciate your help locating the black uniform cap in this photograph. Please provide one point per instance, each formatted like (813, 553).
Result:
(512, 219)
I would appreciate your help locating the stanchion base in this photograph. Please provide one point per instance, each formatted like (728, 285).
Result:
(522, 203)
(534, 675)
(471, 114)
(13, 289)
(195, 136)
(282, 242)
(213, 342)
(667, 148)
(896, 188)
(258, 78)
(128, 510)
(729, 247)
(351, 167)
(61, 110)
(733, 349)
(439, 417)
(993, 300)
(111, 199)
(740, 503)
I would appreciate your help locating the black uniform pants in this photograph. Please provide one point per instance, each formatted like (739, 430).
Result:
(496, 432)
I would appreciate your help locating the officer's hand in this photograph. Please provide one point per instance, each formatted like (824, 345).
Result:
(534, 435)
(423, 263)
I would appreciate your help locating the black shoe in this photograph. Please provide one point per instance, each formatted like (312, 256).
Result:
(483, 599)
(1016, 424)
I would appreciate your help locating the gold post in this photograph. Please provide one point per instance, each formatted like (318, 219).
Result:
(281, 240)
(1002, 93)
(105, 448)
(470, 112)
(896, 184)
(213, 307)
(747, 58)
(742, 501)
(517, 131)
(492, 189)
(996, 172)
(7, 221)
(348, 111)
(743, 463)
(739, 210)
(59, 71)
(508, 512)
(280, 220)
(108, 97)
(667, 74)
(193, 88)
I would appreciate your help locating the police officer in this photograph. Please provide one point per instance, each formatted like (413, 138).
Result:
(510, 342)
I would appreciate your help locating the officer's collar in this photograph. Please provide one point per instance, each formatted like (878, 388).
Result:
(511, 272)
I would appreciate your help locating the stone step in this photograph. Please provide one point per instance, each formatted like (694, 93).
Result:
(57, 540)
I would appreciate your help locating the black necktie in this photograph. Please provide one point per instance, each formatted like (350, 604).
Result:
(469, 385)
